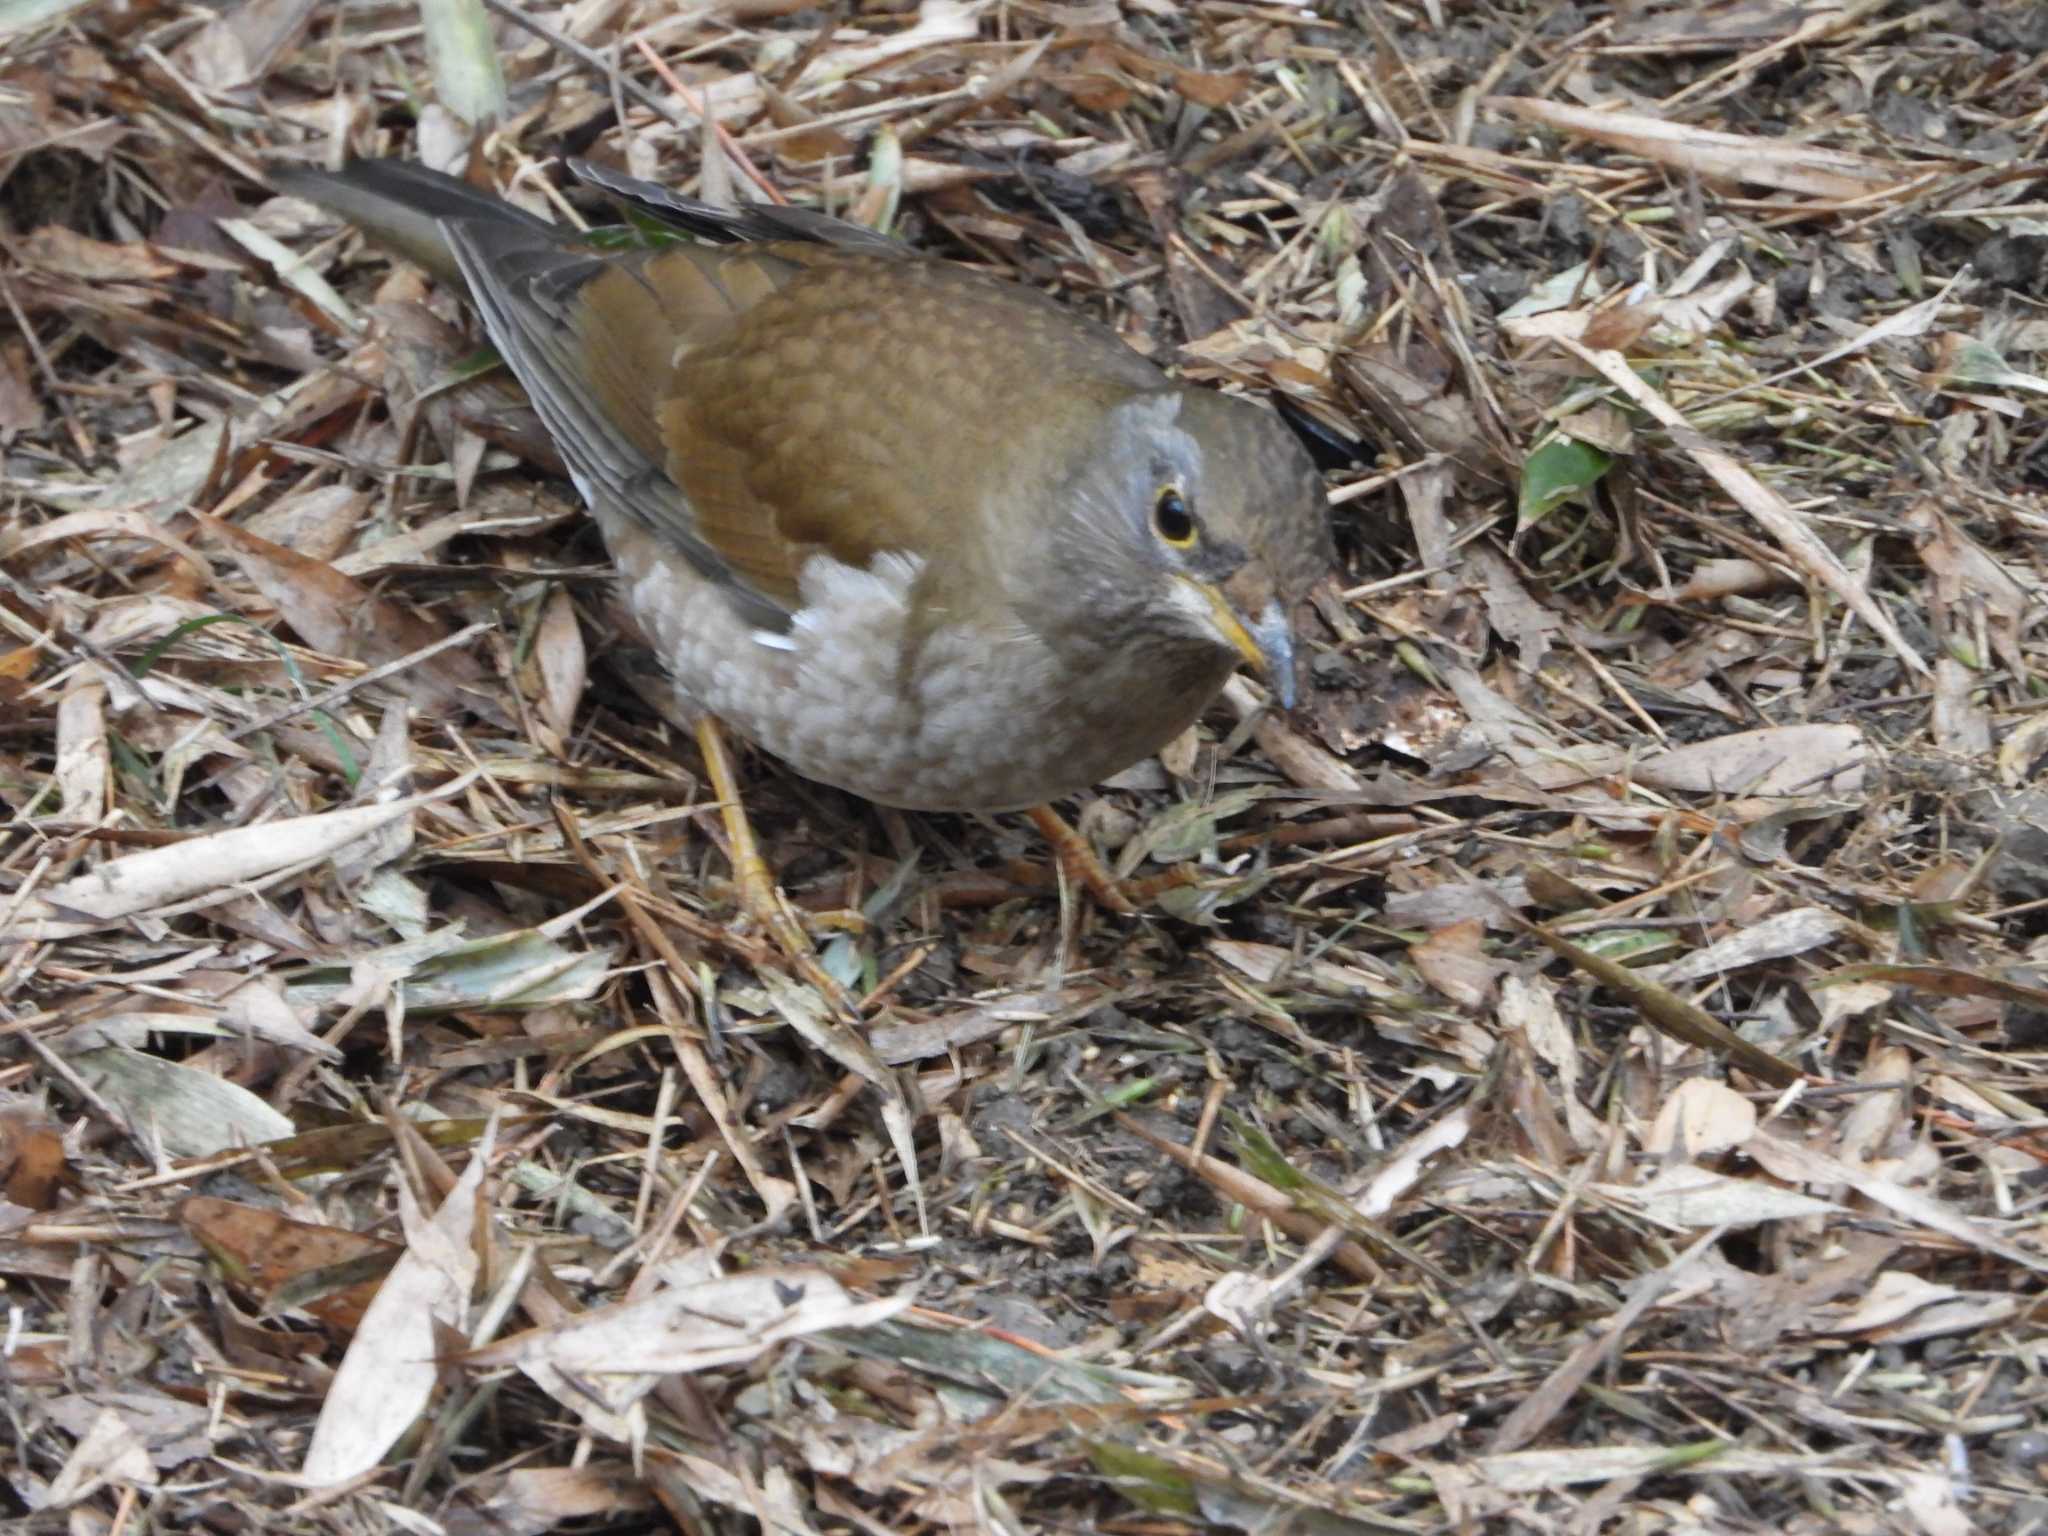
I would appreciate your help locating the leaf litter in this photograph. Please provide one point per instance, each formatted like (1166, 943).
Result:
(1592, 1079)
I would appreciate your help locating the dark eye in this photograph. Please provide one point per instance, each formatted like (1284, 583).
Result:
(1172, 519)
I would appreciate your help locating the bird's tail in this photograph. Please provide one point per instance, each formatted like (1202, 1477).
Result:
(403, 206)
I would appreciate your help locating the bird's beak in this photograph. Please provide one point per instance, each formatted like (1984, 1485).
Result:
(1265, 641)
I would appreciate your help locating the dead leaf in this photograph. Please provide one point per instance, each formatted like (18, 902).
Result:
(699, 1320)
(1771, 511)
(1807, 168)
(532, 1501)
(342, 617)
(79, 257)
(1777, 760)
(1902, 1308)
(32, 1163)
(558, 649)
(263, 1250)
(1453, 960)
(109, 1453)
(203, 869)
(1669, 1012)
(387, 1377)
(21, 406)
(1511, 609)
(1702, 1117)
(1211, 89)
(1775, 937)
(1688, 1198)
(1796, 1163)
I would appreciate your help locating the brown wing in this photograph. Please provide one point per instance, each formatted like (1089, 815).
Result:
(871, 403)
(753, 404)
(593, 342)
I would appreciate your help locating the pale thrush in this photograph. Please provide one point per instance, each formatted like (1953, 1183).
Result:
(924, 534)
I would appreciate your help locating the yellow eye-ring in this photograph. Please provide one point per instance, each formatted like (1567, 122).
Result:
(1171, 518)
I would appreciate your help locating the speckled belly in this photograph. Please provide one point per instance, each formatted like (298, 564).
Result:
(967, 720)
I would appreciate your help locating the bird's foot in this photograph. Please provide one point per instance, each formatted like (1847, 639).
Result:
(760, 897)
(1078, 858)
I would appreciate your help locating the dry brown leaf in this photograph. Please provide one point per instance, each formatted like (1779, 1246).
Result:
(1413, 395)
(1511, 609)
(201, 868)
(1970, 581)
(1700, 1119)
(1770, 509)
(611, 1357)
(318, 523)
(1712, 580)
(800, 141)
(1778, 760)
(1902, 1308)
(1723, 25)
(98, 525)
(1096, 81)
(84, 768)
(1802, 1164)
(1686, 1198)
(531, 1501)
(263, 1250)
(1669, 1012)
(32, 1164)
(387, 1376)
(342, 617)
(186, 1109)
(1947, 980)
(237, 47)
(558, 649)
(1453, 959)
(65, 251)
(1773, 938)
(1208, 88)
(108, 1453)
(172, 1431)
(21, 406)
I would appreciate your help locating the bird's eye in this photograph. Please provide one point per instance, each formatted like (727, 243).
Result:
(1172, 519)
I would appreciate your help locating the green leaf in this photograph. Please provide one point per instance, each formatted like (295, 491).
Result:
(1561, 469)
(443, 972)
(1263, 1158)
(1634, 946)
(1147, 1480)
(146, 662)
(1980, 363)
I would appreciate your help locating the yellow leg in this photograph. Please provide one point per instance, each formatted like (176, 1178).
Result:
(1078, 858)
(760, 897)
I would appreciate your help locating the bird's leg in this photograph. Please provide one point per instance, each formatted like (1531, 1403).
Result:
(759, 895)
(1078, 858)
(1142, 893)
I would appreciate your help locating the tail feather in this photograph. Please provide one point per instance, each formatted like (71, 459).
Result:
(403, 205)
(742, 223)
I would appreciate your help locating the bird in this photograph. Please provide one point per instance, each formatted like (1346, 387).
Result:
(925, 534)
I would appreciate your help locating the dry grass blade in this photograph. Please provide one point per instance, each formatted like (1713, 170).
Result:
(1668, 1011)
(1726, 156)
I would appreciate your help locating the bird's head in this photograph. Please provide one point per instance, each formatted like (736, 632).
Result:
(1195, 519)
